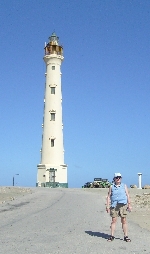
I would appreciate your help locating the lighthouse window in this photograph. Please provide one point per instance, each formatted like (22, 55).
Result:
(52, 90)
(52, 116)
(53, 67)
(52, 142)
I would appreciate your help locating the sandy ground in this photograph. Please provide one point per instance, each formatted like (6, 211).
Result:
(60, 221)
(140, 201)
(140, 207)
(10, 193)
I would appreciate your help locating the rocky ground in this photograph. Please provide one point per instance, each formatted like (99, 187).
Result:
(140, 200)
(140, 207)
(10, 193)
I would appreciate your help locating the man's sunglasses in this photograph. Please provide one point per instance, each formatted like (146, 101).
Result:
(118, 177)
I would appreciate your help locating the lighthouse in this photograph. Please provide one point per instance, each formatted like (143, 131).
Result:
(52, 171)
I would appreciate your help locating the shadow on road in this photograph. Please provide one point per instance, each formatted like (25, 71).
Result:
(99, 234)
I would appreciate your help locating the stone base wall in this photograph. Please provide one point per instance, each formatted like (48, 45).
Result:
(53, 185)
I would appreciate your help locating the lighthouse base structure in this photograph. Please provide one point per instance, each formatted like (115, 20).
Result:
(52, 176)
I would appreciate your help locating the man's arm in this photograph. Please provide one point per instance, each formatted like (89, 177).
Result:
(128, 197)
(108, 200)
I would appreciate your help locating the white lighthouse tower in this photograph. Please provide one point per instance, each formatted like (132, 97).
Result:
(52, 171)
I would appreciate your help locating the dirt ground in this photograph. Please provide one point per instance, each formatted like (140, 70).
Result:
(140, 201)
(10, 193)
(140, 214)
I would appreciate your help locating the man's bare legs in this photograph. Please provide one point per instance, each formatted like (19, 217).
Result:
(124, 226)
(113, 226)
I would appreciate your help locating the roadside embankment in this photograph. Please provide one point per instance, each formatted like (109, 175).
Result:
(11, 193)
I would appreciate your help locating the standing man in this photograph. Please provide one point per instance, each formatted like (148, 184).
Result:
(120, 203)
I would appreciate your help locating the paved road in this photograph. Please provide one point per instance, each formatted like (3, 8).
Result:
(67, 221)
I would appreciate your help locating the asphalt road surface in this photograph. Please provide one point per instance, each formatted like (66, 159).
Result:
(67, 221)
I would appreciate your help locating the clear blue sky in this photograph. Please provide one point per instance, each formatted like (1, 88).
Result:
(105, 85)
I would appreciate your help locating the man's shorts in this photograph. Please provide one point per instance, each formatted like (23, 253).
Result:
(119, 210)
